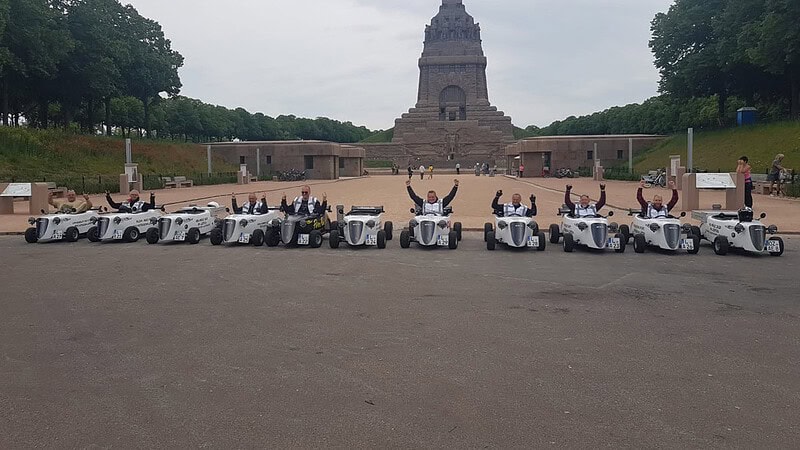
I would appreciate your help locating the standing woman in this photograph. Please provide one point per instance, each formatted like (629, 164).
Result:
(743, 166)
(775, 175)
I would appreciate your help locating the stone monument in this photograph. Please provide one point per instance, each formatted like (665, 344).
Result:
(453, 119)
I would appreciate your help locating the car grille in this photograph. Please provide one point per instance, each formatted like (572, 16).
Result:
(758, 235)
(355, 230)
(517, 233)
(41, 227)
(427, 230)
(287, 231)
(600, 234)
(102, 226)
(163, 227)
(672, 233)
(228, 227)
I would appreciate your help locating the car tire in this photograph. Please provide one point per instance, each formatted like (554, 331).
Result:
(410, 228)
(333, 225)
(780, 244)
(273, 237)
(405, 239)
(625, 231)
(542, 241)
(487, 227)
(257, 238)
(623, 243)
(555, 234)
(457, 229)
(491, 240)
(193, 236)
(569, 243)
(696, 240)
(452, 240)
(388, 228)
(315, 239)
(71, 234)
(92, 235)
(215, 236)
(639, 243)
(381, 239)
(333, 239)
(696, 231)
(721, 245)
(131, 234)
(31, 236)
(152, 236)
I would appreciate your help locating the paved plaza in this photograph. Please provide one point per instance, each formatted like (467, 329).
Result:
(121, 345)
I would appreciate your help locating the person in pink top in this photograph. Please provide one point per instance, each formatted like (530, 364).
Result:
(521, 170)
(743, 166)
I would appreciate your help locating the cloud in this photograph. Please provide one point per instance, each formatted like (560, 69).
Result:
(356, 60)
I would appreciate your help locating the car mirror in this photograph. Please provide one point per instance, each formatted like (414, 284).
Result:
(413, 211)
(683, 213)
(763, 215)
(228, 210)
(43, 212)
(611, 214)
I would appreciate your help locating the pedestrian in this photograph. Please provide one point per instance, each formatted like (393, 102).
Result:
(477, 170)
(521, 170)
(422, 172)
(410, 172)
(430, 172)
(775, 175)
(458, 168)
(743, 167)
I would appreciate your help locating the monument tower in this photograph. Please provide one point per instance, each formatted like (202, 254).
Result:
(453, 119)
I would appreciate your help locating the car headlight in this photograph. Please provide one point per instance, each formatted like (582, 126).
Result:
(275, 222)
(179, 221)
(370, 223)
(117, 220)
(502, 225)
(654, 227)
(93, 220)
(153, 221)
(57, 220)
(686, 228)
(613, 227)
(738, 228)
(31, 220)
(413, 223)
(772, 229)
(442, 224)
(532, 225)
(243, 223)
(582, 226)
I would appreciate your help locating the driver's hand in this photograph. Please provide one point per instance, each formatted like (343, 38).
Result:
(602, 187)
(672, 185)
(324, 197)
(86, 197)
(641, 183)
(569, 187)
(533, 198)
(408, 182)
(108, 193)
(455, 182)
(499, 193)
(283, 197)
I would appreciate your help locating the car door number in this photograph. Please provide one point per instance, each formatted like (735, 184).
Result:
(302, 239)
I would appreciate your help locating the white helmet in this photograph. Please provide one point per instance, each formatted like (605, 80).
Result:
(213, 205)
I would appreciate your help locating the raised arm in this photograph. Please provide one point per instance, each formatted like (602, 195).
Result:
(151, 205)
(674, 200)
(111, 201)
(452, 195)
(532, 211)
(568, 199)
(414, 197)
(234, 206)
(264, 207)
(85, 206)
(599, 205)
(496, 202)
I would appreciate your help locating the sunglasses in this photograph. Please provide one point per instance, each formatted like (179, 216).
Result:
(304, 192)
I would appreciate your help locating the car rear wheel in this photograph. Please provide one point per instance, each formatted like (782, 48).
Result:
(542, 241)
(193, 236)
(405, 239)
(623, 242)
(555, 234)
(131, 234)
(388, 228)
(487, 227)
(71, 234)
(721, 245)
(381, 239)
(31, 236)
(152, 236)
(333, 239)
(411, 228)
(696, 231)
(257, 238)
(315, 239)
(215, 236)
(639, 243)
(696, 241)
(452, 240)
(273, 237)
(625, 231)
(457, 229)
(491, 240)
(92, 235)
(780, 246)
(569, 243)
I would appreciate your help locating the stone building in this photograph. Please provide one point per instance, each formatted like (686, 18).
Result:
(453, 120)
(319, 159)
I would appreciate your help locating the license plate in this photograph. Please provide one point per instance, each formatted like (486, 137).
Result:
(533, 241)
(613, 244)
(372, 239)
(302, 239)
(443, 240)
(117, 234)
(773, 246)
(180, 236)
(58, 235)
(244, 238)
(687, 244)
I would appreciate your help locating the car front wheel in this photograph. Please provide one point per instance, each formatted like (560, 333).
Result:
(31, 236)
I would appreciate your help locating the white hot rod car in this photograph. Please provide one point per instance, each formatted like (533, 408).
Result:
(245, 229)
(362, 226)
(663, 232)
(188, 224)
(122, 226)
(515, 232)
(592, 232)
(432, 230)
(59, 226)
(737, 230)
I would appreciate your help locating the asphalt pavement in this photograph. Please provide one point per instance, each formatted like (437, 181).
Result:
(165, 346)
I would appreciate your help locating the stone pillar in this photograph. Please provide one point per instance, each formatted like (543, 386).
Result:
(6, 203)
(690, 198)
(125, 185)
(734, 198)
(679, 178)
(38, 200)
(242, 177)
(598, 170)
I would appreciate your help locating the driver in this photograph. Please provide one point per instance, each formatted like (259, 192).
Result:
(432, 205)
(133, 204)
(585, 208)
(71, 203)
(305, 204)
(252, 207)
(515, 208)
(656, 209)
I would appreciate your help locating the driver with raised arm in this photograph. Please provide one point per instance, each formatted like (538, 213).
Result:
(305, 204)
(585, 208)
(252, 207)
(432, 205)
(515, 207)
(71, 203)
(656, 209)
(133, 204)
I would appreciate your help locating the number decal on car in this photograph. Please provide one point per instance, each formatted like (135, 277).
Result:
(302, 239)
(773, 246)
(244, 238)
(443, 240)
(613, 244)
(687, 244)
(117, 234)
(180, 236)
(533, 241)
(372, 239)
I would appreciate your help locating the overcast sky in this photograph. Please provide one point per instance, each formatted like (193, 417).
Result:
(356, 60)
